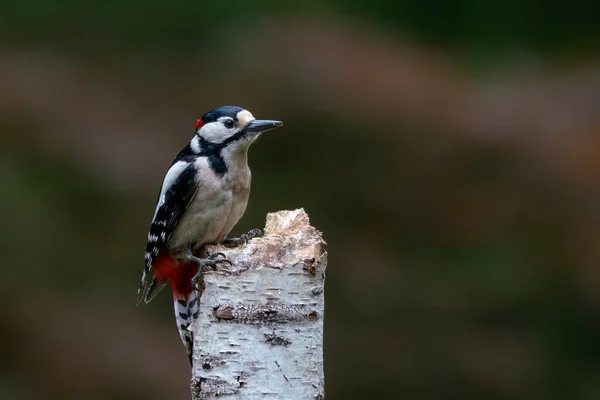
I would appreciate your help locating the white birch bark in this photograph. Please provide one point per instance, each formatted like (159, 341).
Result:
(260, 330)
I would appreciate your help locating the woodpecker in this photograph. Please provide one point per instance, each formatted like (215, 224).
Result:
(203, 195)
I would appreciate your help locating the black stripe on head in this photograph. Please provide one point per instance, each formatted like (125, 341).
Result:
(225, 111)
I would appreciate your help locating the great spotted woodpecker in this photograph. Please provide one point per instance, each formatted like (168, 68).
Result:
(203, 195)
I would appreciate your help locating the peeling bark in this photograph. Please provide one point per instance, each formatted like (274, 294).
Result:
(260, 330)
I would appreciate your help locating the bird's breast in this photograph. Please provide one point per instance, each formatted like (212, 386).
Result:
(217, 206)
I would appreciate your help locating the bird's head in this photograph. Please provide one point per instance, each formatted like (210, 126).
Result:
(230, 126)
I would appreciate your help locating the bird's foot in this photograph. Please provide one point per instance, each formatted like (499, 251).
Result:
(209, 262)
(242, 240)
(221, 258)
(218, 256)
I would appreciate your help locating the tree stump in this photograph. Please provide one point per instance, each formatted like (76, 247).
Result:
(259, 334)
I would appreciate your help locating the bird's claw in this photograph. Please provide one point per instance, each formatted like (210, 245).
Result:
(243, 239)
(254, 233)
(218, 258)
(209, 262)
(223, 261)
(216, 255)
(195, 280)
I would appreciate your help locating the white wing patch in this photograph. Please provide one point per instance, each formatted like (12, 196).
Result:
(170, 178)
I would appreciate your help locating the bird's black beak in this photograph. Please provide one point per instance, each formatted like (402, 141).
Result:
(258, 125)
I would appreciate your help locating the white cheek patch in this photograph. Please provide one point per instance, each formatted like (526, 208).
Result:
(214, 132)
(244, 117)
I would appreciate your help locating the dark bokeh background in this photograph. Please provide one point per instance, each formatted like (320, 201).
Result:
(449, 151)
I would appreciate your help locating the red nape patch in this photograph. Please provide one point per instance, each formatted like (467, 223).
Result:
(180, 274)
(199, 124)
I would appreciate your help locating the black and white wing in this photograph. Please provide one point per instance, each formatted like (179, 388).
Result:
(178, 190)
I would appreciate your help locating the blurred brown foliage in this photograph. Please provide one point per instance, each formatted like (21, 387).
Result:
(464, 200)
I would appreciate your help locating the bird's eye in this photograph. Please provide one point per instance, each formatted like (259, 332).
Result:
(228, 123)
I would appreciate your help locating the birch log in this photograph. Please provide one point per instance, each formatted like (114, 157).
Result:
(260, 330)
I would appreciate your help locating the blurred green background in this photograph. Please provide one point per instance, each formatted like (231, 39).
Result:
(449, 151)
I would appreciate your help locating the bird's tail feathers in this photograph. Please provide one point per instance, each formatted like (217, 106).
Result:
(186, 312)
(186, 300)
(164, 269)
(155, 277)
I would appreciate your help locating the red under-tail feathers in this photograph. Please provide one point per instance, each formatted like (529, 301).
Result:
(180, 274)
